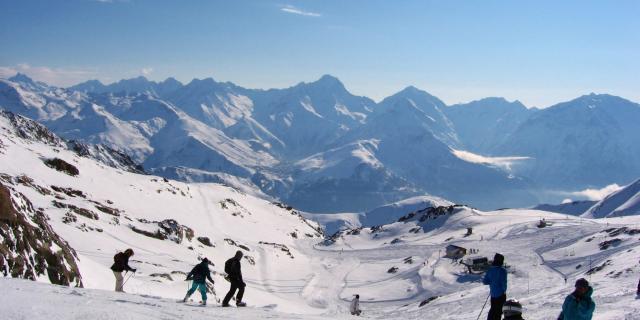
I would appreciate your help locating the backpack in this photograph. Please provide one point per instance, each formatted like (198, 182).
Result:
(228, 266)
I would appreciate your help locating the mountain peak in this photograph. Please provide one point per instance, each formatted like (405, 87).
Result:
(21, 77)
(328, 81)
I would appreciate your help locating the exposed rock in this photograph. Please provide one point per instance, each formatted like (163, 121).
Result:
(282, 247)
(62, 166)
(606, 244)
(206, 241)
(108, 210)
(69, 191)
(393, 270)
(165, 230)
(29, 247)
(104, 154)
(427, 301)
(81, 211)
(233, 243)
(25, 180)
(31, 130)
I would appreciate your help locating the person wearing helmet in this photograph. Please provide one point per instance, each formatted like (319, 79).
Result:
(120, 264)
(578, 305)
(199, 274)
(512, 310)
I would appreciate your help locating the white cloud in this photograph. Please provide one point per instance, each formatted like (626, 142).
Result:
(506, 163)
(597, 194)
(300, 12)
(62, 77)
(146, 71)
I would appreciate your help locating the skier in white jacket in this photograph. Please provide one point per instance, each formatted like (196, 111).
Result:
(355, 306)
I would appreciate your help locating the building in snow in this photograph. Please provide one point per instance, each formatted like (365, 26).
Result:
(455, 252)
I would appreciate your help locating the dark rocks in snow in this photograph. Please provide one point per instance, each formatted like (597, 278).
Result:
(614, 232)
(31, 130)
(249, 259)
(429, 213)
(396, 241)
(408, 260)
(393, 270)
(424, 302)
(69, 191)
(604, 245)
(231, 242)
(29, 248)
(81, 211)
(108, 210)
(168, 229)
(206, 241)
(282, 247)
(62, 166)
(106, 155)
(27, 181)
(599, 268)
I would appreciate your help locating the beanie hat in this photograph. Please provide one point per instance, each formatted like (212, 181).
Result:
(498, 260)
(512, 308)
(582, 283)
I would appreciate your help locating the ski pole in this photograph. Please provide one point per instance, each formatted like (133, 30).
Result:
(129, 277)
(484, 305)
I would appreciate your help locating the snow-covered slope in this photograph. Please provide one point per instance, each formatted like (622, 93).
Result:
(98, 210)
(623, 202)
(397, 268)
(484, 124)
(591, 141)
(575, 208)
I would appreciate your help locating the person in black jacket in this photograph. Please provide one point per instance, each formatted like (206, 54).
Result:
(121, 263)
(232, 268)
(199, 274)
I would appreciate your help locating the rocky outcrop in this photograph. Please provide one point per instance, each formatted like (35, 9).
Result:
(29, 248)
(62, 166)
(168, 229)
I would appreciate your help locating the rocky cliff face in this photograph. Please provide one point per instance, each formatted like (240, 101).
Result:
(29, 248)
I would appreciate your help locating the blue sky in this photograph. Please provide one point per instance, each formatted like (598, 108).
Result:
(539, 52)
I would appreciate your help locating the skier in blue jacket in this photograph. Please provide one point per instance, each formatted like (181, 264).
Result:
(579, 305)
(496, 279)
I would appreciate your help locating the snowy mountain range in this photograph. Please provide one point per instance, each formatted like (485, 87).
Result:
(66, 213)
(322, 149)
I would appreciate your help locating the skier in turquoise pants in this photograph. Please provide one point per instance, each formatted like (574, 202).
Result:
(199, 275)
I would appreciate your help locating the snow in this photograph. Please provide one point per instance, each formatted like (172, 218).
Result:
(625, 201)
(320, 279)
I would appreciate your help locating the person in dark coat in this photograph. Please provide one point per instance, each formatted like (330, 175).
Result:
(579, 305)
(496, 279)
(199, 274)
(234, 274)
(120, 264)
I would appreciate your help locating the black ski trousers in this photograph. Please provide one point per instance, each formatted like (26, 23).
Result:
(235, 285)
(495, 313)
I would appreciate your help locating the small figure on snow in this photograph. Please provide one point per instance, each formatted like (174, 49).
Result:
(120, 264)
(199, 274)
(355, 306)
(496, 279)
(578, 305)
(234, 275)
(512, 310)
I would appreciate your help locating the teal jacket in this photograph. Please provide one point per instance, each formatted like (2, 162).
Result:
(575, 308)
